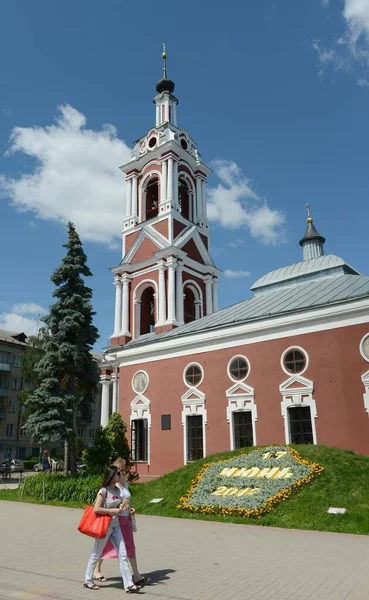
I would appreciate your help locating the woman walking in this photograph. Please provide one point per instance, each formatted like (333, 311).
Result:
(125, 522)
(109, 502)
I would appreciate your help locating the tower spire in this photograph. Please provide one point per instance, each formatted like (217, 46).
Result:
(166, 103)
(312, 242)
(165, 84)
(164, 56)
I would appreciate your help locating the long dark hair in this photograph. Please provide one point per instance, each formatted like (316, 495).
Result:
(110, 472)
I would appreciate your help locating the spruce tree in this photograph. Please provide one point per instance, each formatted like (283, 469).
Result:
(67, 370)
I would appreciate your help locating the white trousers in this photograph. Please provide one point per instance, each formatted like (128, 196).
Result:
(113, 534)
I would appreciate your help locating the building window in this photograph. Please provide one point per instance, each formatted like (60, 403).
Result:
(8, 452)
(92, 434)
(294, 360)
(4, 357)
(35, 451)
(139, 440)
(364, 347)
(193, 375)
(152, 199)
(301, 431)
(93, 413)
(80, 432)
(189, 305)
(147, 311)
(195, 443)
(15, 384)
(22, 453)
(16, 360)
(12, 406)
(238, 368)
(10, 429)
(4, 382)
(242, 423)
(184, 199)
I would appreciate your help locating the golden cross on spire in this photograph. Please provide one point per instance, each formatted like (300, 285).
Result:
(164, 57)
(309, 219)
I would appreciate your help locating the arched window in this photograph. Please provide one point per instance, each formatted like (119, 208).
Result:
(189, 305)
(147, 311)
(152, 198)
(184, 199)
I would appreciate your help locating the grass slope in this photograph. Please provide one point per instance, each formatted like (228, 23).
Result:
(343, 483)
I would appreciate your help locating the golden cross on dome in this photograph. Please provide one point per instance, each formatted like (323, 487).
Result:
(164, 57)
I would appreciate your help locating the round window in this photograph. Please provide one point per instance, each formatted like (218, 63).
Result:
(294, 361)
(364, 347)
(193, 375)
(238, 368)
(152, 142)
(184, 144)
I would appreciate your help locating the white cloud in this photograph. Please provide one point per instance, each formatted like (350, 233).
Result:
(363, 82)
(352, 46)
(28, 308)
(234, 204)
(236, 274)
(76, 176)
(236, 243)
(7, 111)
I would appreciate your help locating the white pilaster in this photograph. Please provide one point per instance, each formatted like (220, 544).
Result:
(129, 198)
(170, 179)
(209, 295)
(215, 294)
(118, 306)
(179, 293)
(157, 115)
(125, 311)
(166, 109)
(162, 299)
(171, 263)
(105, 385)
(203, 200)
(115, 381)
(175, 184)
(198, 199)
(134, 196)
(163, 195)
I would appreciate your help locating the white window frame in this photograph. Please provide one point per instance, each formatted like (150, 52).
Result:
(137, 295)
(140, 409)
(189, 385)
(365, 380)
(297, 391)
(363, 339)
(229, 368)
(240, 398)
(289, 350)
(193, 404)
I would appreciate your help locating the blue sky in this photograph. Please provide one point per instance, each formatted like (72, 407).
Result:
(275, 94)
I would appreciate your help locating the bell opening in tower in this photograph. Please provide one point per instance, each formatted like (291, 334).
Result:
(189, 306)
(184, 199)
(147, 316)
(152, 199)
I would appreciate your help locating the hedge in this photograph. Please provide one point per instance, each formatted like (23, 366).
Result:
(81, 489)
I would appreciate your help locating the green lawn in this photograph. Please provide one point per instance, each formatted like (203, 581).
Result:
(343, 483)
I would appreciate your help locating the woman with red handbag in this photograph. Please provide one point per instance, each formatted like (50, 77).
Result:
(109, 502)
(126, 525)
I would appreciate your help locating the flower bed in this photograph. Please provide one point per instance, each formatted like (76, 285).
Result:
(250, 484)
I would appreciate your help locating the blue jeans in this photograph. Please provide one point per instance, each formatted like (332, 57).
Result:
(113, 534)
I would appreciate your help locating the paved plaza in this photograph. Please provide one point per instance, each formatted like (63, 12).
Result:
(42, 557)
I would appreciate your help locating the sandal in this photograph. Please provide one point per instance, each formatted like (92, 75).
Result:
(133, 589)
(91, 586)
(100, 578)
(142, 580)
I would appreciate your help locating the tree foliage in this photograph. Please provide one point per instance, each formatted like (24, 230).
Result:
(66, 371)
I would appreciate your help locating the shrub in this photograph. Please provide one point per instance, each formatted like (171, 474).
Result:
(81, 489)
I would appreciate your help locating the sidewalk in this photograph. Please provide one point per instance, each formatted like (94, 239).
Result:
(43, 557)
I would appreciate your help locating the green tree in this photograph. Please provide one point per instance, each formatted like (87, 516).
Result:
(116, 430)
(66, 369)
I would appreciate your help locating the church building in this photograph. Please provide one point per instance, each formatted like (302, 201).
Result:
(288, 365)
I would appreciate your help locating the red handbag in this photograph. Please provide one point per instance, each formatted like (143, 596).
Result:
(94, 525)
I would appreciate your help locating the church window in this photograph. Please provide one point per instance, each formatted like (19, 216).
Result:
(294, 360)
(193, 375)
(147, 316)
(139, 440)
(195, 443)
(242, 423)
(184, 198)
(364, 347)
(301, 431)
(184, 144)
(152, 199)
(238, 368)
(152, 142)
(189, 305)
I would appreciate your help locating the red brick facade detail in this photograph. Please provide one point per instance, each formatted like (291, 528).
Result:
(205, 240)
(162, 227)
(146, 250)
(177, 228)
(191, 249)
(129, 240)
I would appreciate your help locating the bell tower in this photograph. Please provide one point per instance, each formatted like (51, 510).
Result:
(166, 276)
